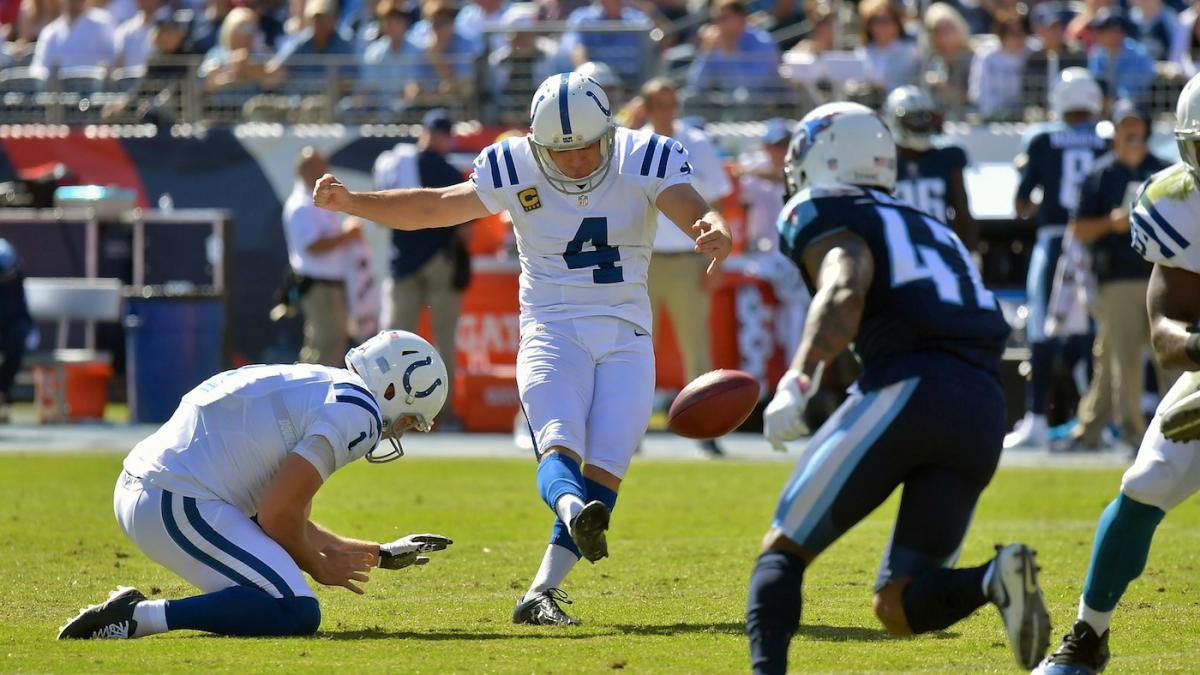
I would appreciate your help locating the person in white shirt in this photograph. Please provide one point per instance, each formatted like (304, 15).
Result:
(78, 37)
(132, 37)
(317, 244)
(677, 278)
(221, 493)
(584, 198)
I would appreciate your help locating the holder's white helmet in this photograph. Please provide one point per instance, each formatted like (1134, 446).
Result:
(600, 72)
(912, 117)
(408, 379)
(840, 143)
(1076, 91)
(1187, 124)
(571, 111)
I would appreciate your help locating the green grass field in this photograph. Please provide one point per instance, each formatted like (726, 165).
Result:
(669, 600)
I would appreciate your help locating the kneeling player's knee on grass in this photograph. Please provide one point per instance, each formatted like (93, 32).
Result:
(889, 608)
(303, 614)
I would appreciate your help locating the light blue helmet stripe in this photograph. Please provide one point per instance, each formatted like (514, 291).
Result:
(563, 116)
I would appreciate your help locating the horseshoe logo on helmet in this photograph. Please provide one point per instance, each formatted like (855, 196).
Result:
(407, 379)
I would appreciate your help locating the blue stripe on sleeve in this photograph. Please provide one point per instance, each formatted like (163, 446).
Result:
(369, 407)
(354, 387)
(1162, 223)
(508, 162)
(491, 154)
(648, 159)
(1149, 230)
(248, 559)
(168, 518)
(662, 162)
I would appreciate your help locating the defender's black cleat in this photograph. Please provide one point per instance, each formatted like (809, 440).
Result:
(1082, 652)
(111, 619)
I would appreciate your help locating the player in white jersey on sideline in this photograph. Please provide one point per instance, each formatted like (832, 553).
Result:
(584, 197)
(1164, 224)
(221, 493)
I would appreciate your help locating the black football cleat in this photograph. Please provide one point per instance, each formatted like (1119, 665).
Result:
(1082, 652)
(111, 619)
(587, 529)
(543, 610)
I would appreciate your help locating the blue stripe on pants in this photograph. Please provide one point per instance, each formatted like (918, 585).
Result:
(208, 533)
(177, 536)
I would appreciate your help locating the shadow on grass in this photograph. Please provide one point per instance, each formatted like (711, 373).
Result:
(842, 633)
(681, 628)
(466, 635)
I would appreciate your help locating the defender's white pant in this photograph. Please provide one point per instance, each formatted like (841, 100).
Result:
(1165, 472)
(206, 541)
(587, 385)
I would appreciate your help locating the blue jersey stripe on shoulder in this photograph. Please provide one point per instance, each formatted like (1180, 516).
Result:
(662, 162)
(495, 166)
(1162, 222)
(1149, 230)
(369, 407)
(649, 158)
(350, 385)
(564, 116)
(508, 162)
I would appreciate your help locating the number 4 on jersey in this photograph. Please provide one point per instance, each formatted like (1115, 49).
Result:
(604, 258)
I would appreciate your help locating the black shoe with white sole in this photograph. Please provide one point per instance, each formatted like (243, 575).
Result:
(1015, 591)
(1082, 652)
(111, 619)
(543, 610)
(587, 529)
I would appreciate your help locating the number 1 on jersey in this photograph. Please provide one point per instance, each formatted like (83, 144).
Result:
(604, 258)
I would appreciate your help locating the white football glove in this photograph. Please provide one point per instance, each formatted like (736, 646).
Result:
(406, 551)
(1180, 409)
(784, 417)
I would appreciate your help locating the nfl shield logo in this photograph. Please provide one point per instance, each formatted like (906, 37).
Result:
(583, 200)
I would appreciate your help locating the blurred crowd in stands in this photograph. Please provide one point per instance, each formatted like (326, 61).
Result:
(392, 60)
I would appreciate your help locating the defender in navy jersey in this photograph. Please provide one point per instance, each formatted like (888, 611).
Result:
(929, 175)
(927, 413)
(1056, 160)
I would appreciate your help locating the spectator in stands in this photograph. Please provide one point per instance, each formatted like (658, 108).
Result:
(301, 56)
(1080, 29)
(892, 59)
(733, 55)
(1052, 55)
(1120, 63)
(444, 66)
(15, 323)
(1156, 25)
(78, 37)
(386, 63)
(273, 16)
(430, 268)
(946, 70)
(133, 36)
(1102, 221)
(239, 61)
(821, 38)
(1185, 45)
(155, 95)
(624, 52)
(119, 11)
(477, 15)
(317, 243)
(995, 84)
(521, 65)
(206, 29)
(32, 17)
(677, 279)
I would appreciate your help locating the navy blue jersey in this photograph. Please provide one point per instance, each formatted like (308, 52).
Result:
(927, 295)
(924, 180)
(1059, 158)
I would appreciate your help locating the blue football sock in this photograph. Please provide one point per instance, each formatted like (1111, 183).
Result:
(604, 495)
(561, 536)
(1119, 554)
(557, 476)
(773, 610)
(245, 611)
(941, 597)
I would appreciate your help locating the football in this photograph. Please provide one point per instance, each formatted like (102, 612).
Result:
(713, 404)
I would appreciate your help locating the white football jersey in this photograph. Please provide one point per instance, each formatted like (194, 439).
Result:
(1165, 219)
(229, 435)
(583, 255)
